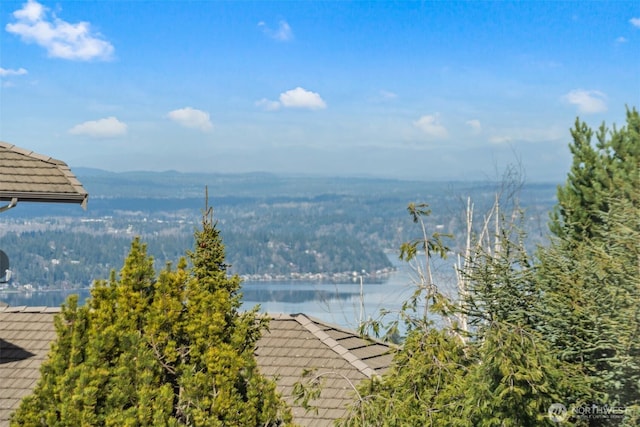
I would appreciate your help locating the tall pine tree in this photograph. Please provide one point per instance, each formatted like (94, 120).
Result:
(590, 274)
(601, 169)
(169, 350)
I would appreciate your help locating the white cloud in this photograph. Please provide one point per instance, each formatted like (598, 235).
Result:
(191, 118)
(302, 98)
(475, 125)
(60, 38)
(587, 101)
(31, 11)
(268, 105)
(525, 134)
(385, 94)
(430, 125)
(621, 40)
(110, 127)
(282, 33)
(635, 22)
(294, 98)
(5, 72)
(501, 139)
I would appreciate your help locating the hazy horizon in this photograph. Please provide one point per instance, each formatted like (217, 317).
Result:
(426, 90)
(488, 177)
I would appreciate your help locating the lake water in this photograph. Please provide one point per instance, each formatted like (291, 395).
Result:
(338, 303)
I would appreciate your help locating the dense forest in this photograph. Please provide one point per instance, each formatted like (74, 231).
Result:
(274, 227)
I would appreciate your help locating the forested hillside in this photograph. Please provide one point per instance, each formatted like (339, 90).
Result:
(274, 227)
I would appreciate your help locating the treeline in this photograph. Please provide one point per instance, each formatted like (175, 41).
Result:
(272, 226)
(66, 259)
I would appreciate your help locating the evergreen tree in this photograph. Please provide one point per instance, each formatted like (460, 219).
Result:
(591, 305)
(419, 389)
(172, 350)
(497, 372)
(513, 377)
(590, 274)
(527, 333)
(609, 167)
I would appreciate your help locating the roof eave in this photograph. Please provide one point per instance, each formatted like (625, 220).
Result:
(78, 198)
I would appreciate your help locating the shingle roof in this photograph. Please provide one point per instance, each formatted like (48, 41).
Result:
(31, 177)
(298, 343)
(293, 344)
(25, 336)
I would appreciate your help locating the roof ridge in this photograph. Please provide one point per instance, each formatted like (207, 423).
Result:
(338, 348)
(364, 337)
(277, 316)
(28, 309)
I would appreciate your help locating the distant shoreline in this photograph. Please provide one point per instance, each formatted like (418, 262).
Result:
(331, 278)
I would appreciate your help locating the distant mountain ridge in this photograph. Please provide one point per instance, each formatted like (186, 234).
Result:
(173, 184)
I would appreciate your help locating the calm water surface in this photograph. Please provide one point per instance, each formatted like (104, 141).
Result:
(338, 303)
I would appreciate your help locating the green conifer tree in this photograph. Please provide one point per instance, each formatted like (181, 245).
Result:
(610, 166)
(590, 274)
(169, 350)
(591, 306)
(497, 372)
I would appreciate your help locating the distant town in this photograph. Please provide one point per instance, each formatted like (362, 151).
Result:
(274, 228)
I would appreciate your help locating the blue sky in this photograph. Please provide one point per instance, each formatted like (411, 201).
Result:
(412, 90)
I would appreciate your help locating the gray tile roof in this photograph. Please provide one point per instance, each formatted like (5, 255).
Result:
(25, 336)
(31, 177)
(294, 343)
(339, 357)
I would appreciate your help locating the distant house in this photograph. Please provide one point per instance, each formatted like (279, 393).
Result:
(26, 176)
(294, 343)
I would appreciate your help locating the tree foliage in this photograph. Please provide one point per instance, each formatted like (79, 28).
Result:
(590, 274)
(525, 332)
(168, 350)
(600, 173)
(496, 371)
